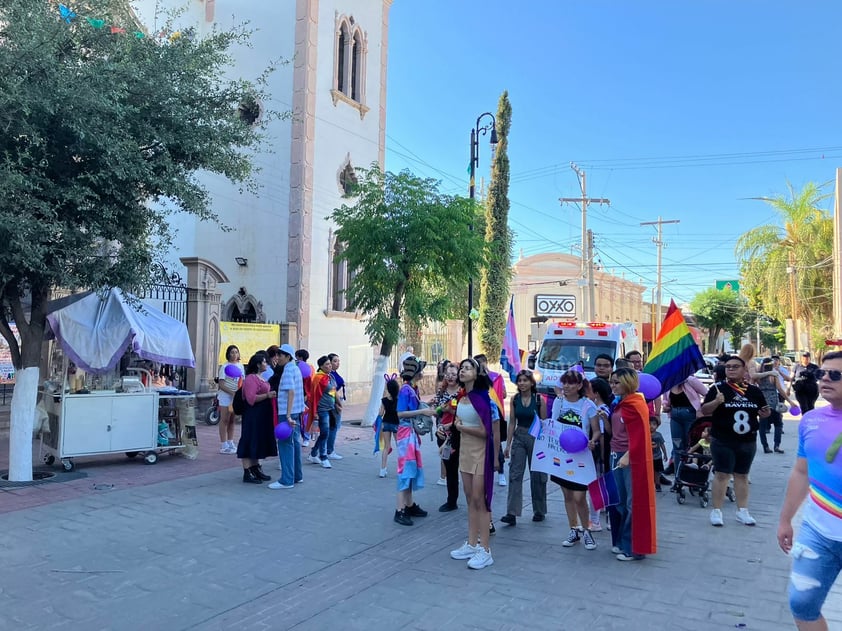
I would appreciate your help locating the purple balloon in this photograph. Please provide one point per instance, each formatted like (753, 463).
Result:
(795, 410)
(573, 440)
(233, 371)
(283, 430)
(306, 370)
(650, 387)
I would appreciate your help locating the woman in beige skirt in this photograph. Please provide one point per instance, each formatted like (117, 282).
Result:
(477, 420)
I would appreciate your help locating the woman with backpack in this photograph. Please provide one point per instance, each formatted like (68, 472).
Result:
(410, 467)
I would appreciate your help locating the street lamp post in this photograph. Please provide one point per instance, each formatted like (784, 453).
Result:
(475, 134)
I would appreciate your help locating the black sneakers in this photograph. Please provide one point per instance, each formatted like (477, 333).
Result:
(509, 519)
(415, 511)
(402, 518)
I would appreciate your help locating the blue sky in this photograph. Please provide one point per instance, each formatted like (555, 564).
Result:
(678, 109)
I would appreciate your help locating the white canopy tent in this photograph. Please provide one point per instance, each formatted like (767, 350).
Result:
(96, 331)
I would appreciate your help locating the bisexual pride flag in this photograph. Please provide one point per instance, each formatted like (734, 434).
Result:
(604, 492)
(675, 354)
(509, 352)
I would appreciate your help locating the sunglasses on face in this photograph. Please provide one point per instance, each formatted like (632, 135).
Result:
(833, 375)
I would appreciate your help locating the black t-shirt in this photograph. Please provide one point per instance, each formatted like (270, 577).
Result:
(804, 377)
(736, 420)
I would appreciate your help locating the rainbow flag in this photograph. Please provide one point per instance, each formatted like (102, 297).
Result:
(509, 352)
(675, 355)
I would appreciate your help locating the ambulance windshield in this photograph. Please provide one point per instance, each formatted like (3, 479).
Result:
(563, 354)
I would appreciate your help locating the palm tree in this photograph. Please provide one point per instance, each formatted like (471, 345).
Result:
(803, 246)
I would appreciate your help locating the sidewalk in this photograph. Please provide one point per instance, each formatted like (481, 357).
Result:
(208, 552)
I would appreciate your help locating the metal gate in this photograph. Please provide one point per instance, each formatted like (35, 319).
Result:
(167, 291)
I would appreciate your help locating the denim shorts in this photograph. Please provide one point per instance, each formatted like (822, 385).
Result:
(816, 562)
(389, 427)
(732, 457)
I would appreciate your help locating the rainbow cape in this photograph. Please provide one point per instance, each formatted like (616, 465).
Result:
(675, 355)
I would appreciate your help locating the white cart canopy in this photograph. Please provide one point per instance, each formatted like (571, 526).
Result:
(95, 332)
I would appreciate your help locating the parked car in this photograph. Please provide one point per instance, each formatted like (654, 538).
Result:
(705, 375)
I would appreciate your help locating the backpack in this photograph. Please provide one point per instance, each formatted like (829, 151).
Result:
(422, 424)
(238, 405)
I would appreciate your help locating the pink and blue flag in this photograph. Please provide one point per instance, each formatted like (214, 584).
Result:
(535, 428)
(509, 352)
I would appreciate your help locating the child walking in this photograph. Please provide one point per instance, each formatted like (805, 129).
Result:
(659, 453)
(389, 414)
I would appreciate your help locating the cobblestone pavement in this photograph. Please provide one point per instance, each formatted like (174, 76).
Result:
(197, 549)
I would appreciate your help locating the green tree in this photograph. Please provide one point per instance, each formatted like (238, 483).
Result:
(494, 283)
(801, 243)
(412, 252)
(717, 310)
(102, 135)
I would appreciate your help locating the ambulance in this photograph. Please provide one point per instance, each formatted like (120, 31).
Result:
(567, 344)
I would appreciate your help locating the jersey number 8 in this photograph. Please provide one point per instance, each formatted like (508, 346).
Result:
(741, 422)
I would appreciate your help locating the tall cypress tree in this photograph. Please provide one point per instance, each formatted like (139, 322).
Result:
(494, 284)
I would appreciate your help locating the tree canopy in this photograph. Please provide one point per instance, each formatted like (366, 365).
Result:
(801, 243)
(98, 127)
(411, 251)
(103, 130)
(718, 310)
(494, 284)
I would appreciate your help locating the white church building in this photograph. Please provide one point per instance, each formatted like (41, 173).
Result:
(277, 263)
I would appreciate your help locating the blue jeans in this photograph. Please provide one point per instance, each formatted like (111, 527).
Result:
(681, 419)
(289, 452)
(773, 420)
(816, 562)
(320, 448)
(620, 515)
(331, 437)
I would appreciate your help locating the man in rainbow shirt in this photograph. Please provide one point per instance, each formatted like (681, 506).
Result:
(817, 476)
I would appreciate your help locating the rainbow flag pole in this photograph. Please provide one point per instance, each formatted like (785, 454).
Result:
(509, 352)
(675, 354)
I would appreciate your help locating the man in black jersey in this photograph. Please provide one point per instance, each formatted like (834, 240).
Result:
(735, 408)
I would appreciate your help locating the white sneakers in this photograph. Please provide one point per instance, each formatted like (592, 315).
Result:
(442, 481)
(277, 485)
(313, 460)
(465, 552)
(334, 456)
(383, 473)
(228, 447)
(481, 559)
(477, 556)
(326, 464)
(501, 480)
(744, 517)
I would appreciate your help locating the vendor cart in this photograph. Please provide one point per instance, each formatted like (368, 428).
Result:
(97, 402)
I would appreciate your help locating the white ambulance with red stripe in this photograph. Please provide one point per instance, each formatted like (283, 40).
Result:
(567, 344)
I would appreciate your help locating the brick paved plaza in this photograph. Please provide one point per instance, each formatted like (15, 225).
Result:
(185, 545)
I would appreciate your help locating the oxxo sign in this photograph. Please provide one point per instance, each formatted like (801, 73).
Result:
(555, 306)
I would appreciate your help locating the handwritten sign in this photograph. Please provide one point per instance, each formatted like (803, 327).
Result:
(550, 457)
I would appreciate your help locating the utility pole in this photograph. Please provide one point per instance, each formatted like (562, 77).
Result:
(591, 283)
(585, 200)
(793, 299)
(658, 241)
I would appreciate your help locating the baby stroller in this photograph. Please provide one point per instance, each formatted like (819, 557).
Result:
(692, 471)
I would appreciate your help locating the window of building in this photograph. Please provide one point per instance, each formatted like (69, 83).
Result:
(347, 180)
(340, 279)
(341, 80)
(356, 66)
(349, 63)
